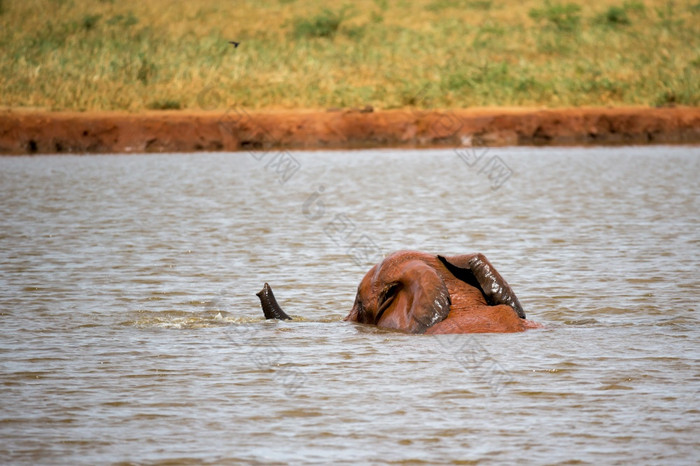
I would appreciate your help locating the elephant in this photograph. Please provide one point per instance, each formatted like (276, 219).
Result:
(271, 309)
(417, 292)
(421, 293)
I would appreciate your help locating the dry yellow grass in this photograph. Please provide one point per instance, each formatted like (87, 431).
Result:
(133, 55)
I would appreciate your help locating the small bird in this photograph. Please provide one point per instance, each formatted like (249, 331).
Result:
(235, 44)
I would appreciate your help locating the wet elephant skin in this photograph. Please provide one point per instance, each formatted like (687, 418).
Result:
(417, 292)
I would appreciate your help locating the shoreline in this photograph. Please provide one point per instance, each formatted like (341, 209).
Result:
(24, 131)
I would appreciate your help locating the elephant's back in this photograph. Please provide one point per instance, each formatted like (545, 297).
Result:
(480, 319)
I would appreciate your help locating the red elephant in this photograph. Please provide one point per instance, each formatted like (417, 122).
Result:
(416, 292)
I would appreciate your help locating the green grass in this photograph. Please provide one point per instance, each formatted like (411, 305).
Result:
(325, 24)
(562, 17)
(160, 54)
(164, 105)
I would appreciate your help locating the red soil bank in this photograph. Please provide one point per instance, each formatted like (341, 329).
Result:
(29, 132)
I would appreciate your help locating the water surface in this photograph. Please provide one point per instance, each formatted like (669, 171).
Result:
(131, 332)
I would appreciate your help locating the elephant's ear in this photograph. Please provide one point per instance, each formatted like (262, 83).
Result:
(413, 299)
(477, 271)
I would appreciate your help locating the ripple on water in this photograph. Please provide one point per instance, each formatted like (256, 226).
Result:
(132, 332)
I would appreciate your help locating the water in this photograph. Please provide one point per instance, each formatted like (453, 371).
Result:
(131, 331)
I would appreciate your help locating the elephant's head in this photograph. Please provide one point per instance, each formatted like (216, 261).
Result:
(403, 292)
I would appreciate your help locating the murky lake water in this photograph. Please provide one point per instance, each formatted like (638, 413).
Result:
(131, 332)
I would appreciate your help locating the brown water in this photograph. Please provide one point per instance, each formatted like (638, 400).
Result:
(131, 331)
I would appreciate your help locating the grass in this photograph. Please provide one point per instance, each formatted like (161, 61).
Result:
(325, 24)
(562, 17)
(136, 55)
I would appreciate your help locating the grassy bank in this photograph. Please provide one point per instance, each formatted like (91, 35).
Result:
(135, 55)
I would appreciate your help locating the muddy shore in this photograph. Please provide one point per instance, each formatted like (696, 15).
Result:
(34, 132)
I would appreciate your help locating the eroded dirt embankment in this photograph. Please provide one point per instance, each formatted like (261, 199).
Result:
(30, 132)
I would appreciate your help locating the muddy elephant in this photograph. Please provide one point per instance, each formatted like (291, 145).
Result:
(416, 292)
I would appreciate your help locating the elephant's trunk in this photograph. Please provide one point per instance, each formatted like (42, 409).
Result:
(270, 308)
